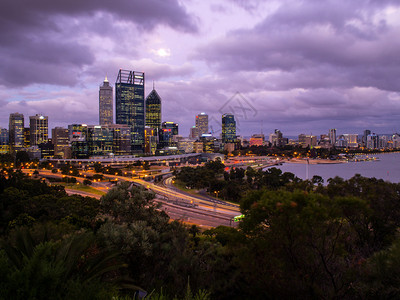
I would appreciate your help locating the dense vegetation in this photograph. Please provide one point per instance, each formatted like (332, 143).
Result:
(298, 240)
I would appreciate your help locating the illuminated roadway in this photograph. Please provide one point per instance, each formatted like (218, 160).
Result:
(179, 206)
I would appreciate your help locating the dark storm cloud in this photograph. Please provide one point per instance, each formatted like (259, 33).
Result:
(46, 41)
(344, 37)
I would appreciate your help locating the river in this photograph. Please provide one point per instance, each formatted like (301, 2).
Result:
(386, 168)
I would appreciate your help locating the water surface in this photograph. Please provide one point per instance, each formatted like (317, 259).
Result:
(386, 168)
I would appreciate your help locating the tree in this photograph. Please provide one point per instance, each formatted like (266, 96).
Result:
(68, 269)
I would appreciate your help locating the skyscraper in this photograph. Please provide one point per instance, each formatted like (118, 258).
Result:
(129, 100)
(4, 141)
(106, 103)
(228, 128)
(39, 129)
(332, 136)
(16, 132)
(153, 110)
(364, 137)
(202, 123)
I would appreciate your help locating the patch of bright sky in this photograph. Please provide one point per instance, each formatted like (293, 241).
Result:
(214, 21)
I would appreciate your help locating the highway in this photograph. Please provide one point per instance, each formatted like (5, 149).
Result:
(187, 208)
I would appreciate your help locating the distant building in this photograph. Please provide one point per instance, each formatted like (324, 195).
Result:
(365, 137)
(194, 133)
(384, 141)
(202, 123)
(97, 140)
(129, 105)
(78, 140)
(27, 137)
(396, 140)
(257, 140)
(150, 138)
(4, 141)
(100, 140)
(121, 139)
(39, 129)
(16, 132)
(106, 103)
(153, 111)
(228, 128)
(60, 138)
(332, 136)
(372, 141)
(307, 140)
(198, 147)
(351, 140)
(168, 130)
(186, 145)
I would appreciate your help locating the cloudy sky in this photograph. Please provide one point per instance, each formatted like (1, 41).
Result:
(302, 66)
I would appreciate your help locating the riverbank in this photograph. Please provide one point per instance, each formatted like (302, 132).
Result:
(314, 161)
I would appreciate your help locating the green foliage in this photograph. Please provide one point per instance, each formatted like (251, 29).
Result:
(382, 274)
(56, 270)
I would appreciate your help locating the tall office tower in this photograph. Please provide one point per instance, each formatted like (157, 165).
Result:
(129, 100)
(39, 129)
(60, 139)
(202, 123)
(279, 138)
(228, 128)
(153, 110)
(364, 138)
(106, 103)
(332, 136)
(4, 141)
(16, 132)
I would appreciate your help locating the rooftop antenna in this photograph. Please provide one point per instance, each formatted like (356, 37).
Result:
(153, 85)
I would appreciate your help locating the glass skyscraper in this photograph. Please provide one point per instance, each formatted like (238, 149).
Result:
(106, 103)
(153, 110)
(16, 132)
(39, 129)
(129, 100)
(228, 128)
(202, 123)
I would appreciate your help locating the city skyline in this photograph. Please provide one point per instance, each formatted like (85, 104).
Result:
(296, 66)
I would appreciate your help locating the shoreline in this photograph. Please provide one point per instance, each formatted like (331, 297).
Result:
(314, 161)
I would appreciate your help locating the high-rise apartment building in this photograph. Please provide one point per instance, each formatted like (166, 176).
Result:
(39, 129)
(202, 123)
(332, 136)
(364, 138)
(16, 132)
(129, 105)
(153, 110)
(228, 128)
(106, 103)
